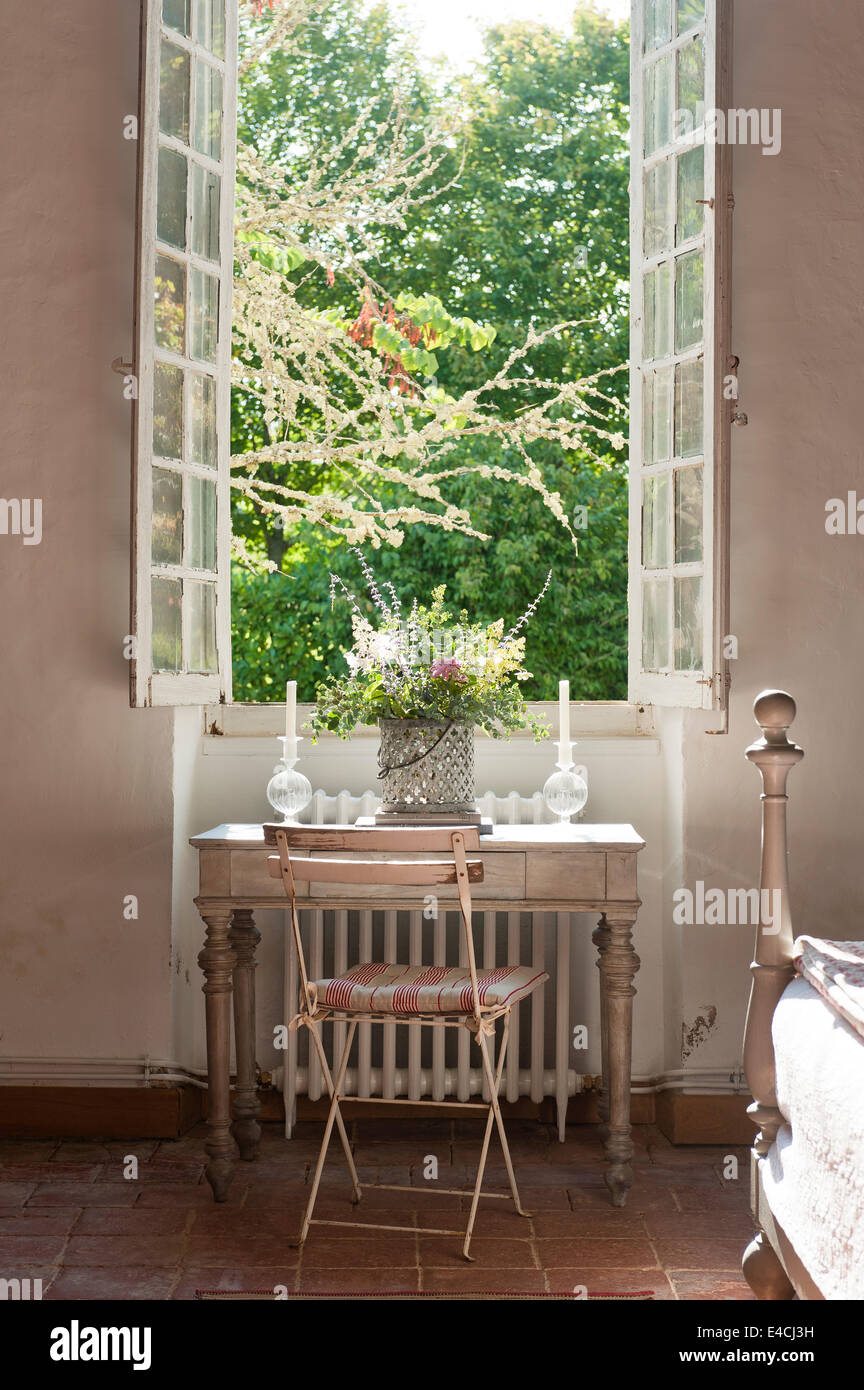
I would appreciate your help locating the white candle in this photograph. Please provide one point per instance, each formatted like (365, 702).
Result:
(291, 709)
(564, 714)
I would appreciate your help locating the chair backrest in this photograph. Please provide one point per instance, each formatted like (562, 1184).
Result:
(422, 872)
(456, 869)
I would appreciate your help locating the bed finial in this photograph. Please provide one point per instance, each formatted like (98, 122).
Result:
(771, 968)
(774, 711)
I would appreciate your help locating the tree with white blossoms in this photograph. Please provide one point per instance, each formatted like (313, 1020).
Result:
(354, 393)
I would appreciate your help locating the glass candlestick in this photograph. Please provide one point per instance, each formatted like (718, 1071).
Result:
(288, 791)
(566, 791)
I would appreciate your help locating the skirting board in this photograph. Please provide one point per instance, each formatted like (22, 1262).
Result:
(98, 1112)
(580, 1110)
(167, 1112)
(705, 1119)
(682, 1118)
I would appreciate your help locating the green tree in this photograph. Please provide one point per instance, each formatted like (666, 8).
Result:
(533, 230)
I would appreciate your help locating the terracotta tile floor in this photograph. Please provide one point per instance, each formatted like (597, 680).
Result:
(69, 1216)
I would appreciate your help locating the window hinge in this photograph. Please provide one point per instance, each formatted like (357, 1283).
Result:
(722, 678)
(738, 417)
(724, 683)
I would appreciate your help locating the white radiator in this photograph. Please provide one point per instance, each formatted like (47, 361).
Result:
(393, 1061)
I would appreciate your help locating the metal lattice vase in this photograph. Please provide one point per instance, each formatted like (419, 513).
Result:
(426, 768)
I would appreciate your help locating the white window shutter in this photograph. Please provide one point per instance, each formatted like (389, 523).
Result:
(680, 356)
(181, 491)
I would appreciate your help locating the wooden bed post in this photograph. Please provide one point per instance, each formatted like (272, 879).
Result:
(772, 968)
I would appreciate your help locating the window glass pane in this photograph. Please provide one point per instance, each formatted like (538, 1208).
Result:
(658, 208)
(175, 14)
(690, 12)
(688, 300)
(691, 86)
(210, 26)
(689, 409)
(658, 312)
(659, 83)
(171, 199)
(203, 315)
(657, 415)
(201, 605)
(166, 547)
(205, 213)
(688, 623)
(201, 524)
(691, 187)
(201, 414)
(688, 515)
(174, 91)
(655, 522)
(166, 644)
(658, 23)
(167, 411)
(169, 312)
(207, 125)
(655, 625)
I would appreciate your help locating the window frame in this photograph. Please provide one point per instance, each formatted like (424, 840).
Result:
(184, 687)
(706, 688)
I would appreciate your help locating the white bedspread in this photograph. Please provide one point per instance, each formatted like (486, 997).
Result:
(814, 1172)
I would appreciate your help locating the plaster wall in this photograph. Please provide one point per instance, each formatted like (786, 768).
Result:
(796, 601)
(86, 782)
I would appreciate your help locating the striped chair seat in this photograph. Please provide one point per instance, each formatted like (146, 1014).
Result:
(425, 989)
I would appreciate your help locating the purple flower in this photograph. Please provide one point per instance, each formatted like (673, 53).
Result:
(447, 668)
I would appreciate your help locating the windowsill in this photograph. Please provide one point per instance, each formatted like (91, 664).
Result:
(610, 729)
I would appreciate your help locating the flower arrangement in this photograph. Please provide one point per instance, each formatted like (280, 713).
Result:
(426, 664)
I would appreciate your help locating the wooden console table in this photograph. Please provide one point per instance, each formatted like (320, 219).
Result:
(537, 868)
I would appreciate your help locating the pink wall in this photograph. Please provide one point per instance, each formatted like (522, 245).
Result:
(86, 782)
(797, 593)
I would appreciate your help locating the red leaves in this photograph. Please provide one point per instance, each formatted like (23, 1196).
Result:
(362, 331)
(362, 328)
(258, 6)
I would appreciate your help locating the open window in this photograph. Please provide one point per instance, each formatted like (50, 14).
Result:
(181, 574)
(680, 363)
(679, 414)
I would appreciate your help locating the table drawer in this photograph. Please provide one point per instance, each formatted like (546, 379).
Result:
(566, 878)
(250, 877)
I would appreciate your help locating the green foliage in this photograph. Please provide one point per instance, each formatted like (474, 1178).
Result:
(533, 230)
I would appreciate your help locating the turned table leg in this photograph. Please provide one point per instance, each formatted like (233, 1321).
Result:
(217, 962)
(244, 937)
(618, 965)
(600, 938)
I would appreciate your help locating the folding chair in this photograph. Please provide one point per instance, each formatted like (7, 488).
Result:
(422, 996)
